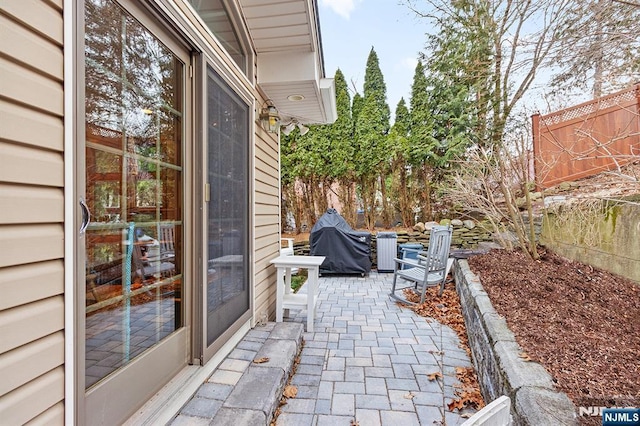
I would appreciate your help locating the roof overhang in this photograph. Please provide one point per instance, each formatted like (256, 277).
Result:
(290, 68)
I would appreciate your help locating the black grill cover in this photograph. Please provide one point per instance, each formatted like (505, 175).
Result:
(346, 251)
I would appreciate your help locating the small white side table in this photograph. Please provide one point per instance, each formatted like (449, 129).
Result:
(285, 299)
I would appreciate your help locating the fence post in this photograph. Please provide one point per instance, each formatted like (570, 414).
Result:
(535, 132)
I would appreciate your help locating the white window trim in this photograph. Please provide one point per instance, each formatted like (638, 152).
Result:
(70, 206)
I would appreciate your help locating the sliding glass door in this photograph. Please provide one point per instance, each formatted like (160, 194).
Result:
(227, 210)
(135, 114)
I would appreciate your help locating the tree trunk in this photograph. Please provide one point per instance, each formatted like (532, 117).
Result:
(367, 189)
(347, 199)
(598, 68)
(426, 213)
(323, 202)
(288, 206)
(309, 206)
(387, 213)
(295, 203)
(514, 213)
(406, 212)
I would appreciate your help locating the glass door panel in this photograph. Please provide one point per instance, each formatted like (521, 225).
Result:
(133, 189)
(227, 278)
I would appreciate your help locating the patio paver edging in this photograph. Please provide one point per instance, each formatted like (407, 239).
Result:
(496, 358)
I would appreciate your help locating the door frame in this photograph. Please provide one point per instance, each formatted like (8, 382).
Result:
(200, 348)
(172, 353)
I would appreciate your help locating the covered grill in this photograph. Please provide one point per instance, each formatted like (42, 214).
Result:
(346, 251)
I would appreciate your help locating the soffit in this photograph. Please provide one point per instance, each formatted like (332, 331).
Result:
(285, 36)
(280, 25)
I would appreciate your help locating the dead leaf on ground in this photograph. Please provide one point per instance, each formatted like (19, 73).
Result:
(467, 391)
(261, 360)
(525, 357)
(455, 404)
(354, 422)
(466, 415)
(410, 395)
(434, 376)
(290, 391)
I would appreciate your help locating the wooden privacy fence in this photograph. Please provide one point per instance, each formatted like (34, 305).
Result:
(588, 138)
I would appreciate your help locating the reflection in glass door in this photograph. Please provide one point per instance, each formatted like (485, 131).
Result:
(227, 280)
(133, 189)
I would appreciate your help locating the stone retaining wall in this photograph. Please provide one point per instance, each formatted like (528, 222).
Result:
(496, 358)
(466, 234)
(613, 247)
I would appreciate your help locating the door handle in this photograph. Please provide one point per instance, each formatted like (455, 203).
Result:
(86, 216)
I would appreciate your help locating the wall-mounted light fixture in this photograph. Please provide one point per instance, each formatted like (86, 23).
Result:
(269, 117)
(289, 128)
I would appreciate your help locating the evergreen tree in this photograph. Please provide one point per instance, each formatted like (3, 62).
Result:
(403, 119)
(456, 81)
(372, 126)
(398, 142)
(375, 86)
(492, 50)
(356, 107)
(420, 123)
(421, 141)
(342, 150)
(496, 48)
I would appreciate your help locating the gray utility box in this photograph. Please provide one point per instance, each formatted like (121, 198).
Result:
(387, 250)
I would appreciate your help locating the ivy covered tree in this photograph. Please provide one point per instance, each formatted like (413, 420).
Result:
(421, 141)
(305, 170)
(289, 159)
(399, 144)
(342, 150)
(457, 87)
(356, 107)
(372, 126)
(313, 162)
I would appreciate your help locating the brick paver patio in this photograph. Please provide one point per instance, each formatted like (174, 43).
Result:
(367, 361)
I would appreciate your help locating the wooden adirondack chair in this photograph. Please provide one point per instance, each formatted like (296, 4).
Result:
(431, 268)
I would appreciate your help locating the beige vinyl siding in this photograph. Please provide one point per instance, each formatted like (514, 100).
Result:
(39, 54)
(23, 244)
(31, 213)
(53, 416)
(29, 128)
(20, 285)
(22, 404)
(31, 166)
(27, 362)
(266, 221)
(31, 204)
(31, 89)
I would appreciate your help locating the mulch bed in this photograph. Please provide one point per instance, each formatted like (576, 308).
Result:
(581, 323)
